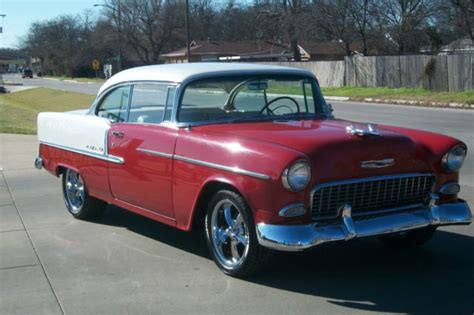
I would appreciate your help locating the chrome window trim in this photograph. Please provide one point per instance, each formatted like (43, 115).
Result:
(222, 167)
(366, 179)
(100, 96)
(181, 88)
(105, 157)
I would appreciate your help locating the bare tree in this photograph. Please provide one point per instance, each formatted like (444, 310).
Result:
(403, 21)
(146, 26)
(463, 16)
(336, 20)
(362, 15)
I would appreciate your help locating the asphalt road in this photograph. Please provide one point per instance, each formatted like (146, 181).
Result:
(122, 263)
(87, 88)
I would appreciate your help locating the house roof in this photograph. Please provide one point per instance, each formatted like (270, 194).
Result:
(244, 47)
(461, 45)
(328, 48)
(188, 71)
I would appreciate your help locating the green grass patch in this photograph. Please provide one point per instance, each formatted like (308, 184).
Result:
(18, 111)
(414, 94)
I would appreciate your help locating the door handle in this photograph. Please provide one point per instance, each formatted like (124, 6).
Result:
(117, 134)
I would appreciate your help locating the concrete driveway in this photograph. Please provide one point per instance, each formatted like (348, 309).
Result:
(122, 263)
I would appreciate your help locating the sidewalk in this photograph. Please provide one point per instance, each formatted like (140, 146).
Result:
(22, 272)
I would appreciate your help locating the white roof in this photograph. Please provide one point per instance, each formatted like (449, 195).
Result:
(185, 71)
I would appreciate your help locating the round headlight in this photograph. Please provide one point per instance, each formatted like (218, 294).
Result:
(454, 159)
(297, 176)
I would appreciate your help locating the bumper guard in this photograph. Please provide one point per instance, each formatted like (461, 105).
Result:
(301, 237)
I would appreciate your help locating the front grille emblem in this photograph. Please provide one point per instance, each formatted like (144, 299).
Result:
(377, 163)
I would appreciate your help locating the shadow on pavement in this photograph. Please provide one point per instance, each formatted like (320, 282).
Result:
(362, 274)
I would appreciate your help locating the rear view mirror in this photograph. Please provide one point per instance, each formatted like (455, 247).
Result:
(257, 86)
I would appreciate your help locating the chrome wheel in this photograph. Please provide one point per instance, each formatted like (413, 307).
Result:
(230, 234)
(74, 191)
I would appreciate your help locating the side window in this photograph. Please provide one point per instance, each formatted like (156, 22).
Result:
(114, 105)
(149, 103)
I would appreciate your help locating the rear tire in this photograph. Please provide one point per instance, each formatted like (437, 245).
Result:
(231, 235)
(77, 200)
(409, 239)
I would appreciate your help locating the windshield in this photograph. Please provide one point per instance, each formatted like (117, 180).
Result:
(251, 98)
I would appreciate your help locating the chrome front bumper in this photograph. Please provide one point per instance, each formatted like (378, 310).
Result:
(39, 163)
(301, 237)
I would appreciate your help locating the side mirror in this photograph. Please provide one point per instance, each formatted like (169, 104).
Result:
(331, 109)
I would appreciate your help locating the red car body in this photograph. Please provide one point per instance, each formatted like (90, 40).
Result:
(170, 171)
(168, 190)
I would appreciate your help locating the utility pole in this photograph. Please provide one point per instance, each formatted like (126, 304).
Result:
(116, 11)
(1, 45)
(188, 44)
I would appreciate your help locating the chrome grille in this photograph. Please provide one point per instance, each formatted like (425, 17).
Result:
(371, 196)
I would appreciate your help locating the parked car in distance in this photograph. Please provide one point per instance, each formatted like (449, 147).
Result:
(27, 73)
(253, 155)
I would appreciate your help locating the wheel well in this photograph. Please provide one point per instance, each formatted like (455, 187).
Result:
(204, 198)
(60, 170)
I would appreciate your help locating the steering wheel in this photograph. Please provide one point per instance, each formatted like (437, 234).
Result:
(277, 99)
(114, 117)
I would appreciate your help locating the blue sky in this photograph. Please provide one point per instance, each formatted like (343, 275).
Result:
(21, 13)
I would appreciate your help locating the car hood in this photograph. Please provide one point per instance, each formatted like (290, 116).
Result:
(332, 149)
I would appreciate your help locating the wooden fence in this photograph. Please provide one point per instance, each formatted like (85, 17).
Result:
(453, 73)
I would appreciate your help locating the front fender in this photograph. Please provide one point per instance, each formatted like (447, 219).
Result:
(231, 161)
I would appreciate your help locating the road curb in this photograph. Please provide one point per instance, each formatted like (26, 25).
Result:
(401, 102)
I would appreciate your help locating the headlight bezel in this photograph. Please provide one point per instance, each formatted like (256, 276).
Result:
(447, 159)
(288, 183)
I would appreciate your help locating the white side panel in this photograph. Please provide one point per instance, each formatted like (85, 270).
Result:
(84, 133)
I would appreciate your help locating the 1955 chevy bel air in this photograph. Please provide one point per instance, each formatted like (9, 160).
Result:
(254, 155)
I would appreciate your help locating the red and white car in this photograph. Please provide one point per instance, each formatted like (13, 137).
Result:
(254, 155)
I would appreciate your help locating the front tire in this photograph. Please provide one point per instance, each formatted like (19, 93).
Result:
(231, 235)
(77, 200)
(409, 239)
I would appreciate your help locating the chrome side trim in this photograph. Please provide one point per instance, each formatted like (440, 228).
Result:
(105, 157)
(301, 237)
(157, 153)
(222, 167)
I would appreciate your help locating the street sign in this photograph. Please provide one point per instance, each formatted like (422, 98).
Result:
(95, 64)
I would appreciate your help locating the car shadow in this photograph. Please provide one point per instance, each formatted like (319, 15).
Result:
(361, 275)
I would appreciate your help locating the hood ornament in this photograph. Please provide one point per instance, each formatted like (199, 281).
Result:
(377, 163)
(370, 131)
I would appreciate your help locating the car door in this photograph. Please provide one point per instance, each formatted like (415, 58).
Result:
(147, 146)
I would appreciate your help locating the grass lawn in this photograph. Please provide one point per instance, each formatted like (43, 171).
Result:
(18, 110)
(414, 94)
